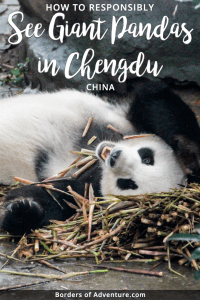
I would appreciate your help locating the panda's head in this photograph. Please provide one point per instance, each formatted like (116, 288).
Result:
(137, 166)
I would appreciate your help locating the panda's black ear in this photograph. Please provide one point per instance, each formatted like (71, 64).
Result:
(188, 154)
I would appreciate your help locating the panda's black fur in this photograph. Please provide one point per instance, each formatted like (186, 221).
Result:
(163, 113)
(155, 109)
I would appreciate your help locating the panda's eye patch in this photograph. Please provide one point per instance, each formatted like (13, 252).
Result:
(126, 184)
(147, 156)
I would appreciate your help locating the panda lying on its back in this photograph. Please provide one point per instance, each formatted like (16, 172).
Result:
(138, 166)
(38, 132)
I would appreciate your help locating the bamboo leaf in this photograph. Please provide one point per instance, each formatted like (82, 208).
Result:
(198, 226)
(195, 2)
(197, 229)
(47, 248)
(185, 237)
(196, 253)
(197, 275)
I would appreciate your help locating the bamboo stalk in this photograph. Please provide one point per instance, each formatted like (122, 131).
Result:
(14, 287)
(36, 246)
(84, 161)
(80, 198)
(14, 252)
(148, 252)
(145, 220)
(136, 136)
(91, 140)
(64, 172)
(87, 127)
(84, 168)
(92, 201)
(192, 260)
(9, 257)
(51, 276)
(51, 266)
(144, 272)
(109, 126)
(106, 236)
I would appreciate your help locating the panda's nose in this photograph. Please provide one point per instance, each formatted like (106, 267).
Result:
(114, 156)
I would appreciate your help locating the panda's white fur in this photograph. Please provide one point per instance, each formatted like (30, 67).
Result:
(49, 121)
(54, 122)
(163, 175)
(37, 133)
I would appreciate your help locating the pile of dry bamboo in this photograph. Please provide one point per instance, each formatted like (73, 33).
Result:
(128, 228)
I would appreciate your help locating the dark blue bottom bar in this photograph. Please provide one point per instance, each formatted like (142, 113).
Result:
(95, 295)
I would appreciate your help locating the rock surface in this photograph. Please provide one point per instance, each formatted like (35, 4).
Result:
(179, 60)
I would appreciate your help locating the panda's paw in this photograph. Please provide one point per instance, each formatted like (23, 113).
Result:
(21, 216)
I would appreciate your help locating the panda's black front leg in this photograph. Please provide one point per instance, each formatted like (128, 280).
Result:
(30, 207)
(158, 110)
(22, 215)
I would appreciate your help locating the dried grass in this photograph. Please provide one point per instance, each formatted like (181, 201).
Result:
(133, 228)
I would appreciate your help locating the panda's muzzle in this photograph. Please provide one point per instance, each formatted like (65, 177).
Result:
(107, 153)
(103, 150)
(113, 157)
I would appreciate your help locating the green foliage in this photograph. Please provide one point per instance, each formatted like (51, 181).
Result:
(196, 253)
(197, 275)
(187, 237)
(198, 226)
(17, 74)
(195, 2)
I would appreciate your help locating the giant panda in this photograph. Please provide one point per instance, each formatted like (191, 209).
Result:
(38, 133)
